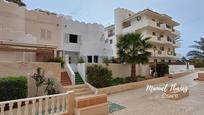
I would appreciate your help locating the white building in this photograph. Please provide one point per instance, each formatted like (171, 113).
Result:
(160, 27)
(79, 39)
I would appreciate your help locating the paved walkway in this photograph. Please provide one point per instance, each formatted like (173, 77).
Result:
(140, 102)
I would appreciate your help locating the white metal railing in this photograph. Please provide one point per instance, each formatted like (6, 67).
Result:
(44, 105)
(70, 72)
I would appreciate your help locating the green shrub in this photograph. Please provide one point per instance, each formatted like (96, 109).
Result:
(106, 61)
(199, 65)
(81, 60)
(12, 88)
(98, 76)
(162, 69)
(58, 60)
(118, 81)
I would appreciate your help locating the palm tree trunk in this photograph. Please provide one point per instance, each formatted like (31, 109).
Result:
(133, 72)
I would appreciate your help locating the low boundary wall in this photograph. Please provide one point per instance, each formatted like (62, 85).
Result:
(130, 86)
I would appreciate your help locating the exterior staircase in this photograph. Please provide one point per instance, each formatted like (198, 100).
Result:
(78, 79)
(65, 80)
(80, 90)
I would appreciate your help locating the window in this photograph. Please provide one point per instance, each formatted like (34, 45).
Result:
(153, 20)
(159, 38)
(43, 34)
(161, 35)
(130, 15)
(70, 59)
(159, 52)
(126, 24)
(73, 38)
(168, 26)
(162, 48)
(66, 38)
(89, 59)
(46, 34)
(153, 33)
(169, 61)
(111, 41)
(169, 49)
(158, 24)
(162, 60)
(49, 34)
(95, 59)
(168, 39)
(111, 33)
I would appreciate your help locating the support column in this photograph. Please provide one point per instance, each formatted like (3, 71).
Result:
(55, 53)
(70, 103)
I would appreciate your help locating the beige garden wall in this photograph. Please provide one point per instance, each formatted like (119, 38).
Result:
(124, 70)
(24, 69)
(52, 70)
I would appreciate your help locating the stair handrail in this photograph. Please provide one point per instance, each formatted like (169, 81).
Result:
(70, 72)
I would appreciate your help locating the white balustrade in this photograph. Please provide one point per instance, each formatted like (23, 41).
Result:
(44, 105)
(69, 70)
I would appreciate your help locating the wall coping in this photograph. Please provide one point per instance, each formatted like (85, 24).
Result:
(135, 85)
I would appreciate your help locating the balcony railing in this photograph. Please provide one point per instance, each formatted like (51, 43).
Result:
(177, 44)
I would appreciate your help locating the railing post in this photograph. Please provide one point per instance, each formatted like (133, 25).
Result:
(71, 102)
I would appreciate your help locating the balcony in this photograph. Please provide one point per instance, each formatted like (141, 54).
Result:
(176, 32)
(177, 44)
(177, 55)
(156, 39)
(164, 54)
(165, 27)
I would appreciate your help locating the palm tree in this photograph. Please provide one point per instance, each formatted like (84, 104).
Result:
(19, 2)
(198, 51)
(132, 48)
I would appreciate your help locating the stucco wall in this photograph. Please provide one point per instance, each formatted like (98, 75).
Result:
(124, 70)
(179, 68)
(118, 70)
(12, 24)
(52, 70)
(24, 69)
(35, 21)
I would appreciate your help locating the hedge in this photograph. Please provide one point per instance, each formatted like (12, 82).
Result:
(162, 69)
(12, 88)
(98, 76)
(57, 60)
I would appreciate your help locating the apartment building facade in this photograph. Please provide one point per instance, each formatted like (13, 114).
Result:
(37, 35)
(160, 27)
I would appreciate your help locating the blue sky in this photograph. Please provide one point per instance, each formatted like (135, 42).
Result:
(189, 13)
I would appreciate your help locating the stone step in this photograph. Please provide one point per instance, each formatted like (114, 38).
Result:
(65, 80)
(81, 90)
(84, 93)
(72, 87)
(84, 96)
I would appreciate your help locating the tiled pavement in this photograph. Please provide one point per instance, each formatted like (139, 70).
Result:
(140, 102)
